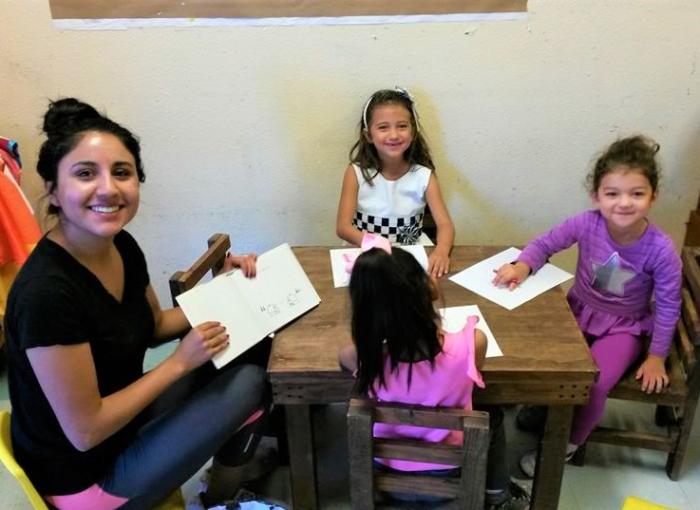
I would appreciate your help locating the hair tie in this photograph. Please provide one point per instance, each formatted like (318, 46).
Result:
(369, 241)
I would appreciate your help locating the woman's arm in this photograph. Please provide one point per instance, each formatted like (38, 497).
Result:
(439, 260)
(67, 377)
(246, 262)
(169, 324)
(346, 209)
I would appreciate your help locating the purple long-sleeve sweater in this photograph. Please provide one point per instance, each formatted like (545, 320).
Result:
(614, 283)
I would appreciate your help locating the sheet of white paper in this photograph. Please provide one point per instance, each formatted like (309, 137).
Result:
(252, 308)
(478, 278)
(341, 278)
(455, 317)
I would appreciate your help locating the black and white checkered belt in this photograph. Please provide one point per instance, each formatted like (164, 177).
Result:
(404, 230)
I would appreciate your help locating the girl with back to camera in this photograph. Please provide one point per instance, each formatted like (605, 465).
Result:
(91, 430)
(391, 178)
(400, 354)
(623, 261)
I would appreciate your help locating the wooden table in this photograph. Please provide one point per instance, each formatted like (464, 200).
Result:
(546, 361)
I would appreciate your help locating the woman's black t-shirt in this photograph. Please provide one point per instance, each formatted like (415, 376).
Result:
(55, 300)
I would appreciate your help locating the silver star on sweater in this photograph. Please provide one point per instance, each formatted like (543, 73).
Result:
(610, 276)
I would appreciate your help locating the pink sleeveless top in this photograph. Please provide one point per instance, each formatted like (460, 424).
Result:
(448, 383)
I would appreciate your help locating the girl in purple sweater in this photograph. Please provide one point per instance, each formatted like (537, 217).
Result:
(623, 261)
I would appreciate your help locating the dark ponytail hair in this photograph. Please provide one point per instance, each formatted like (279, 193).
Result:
(635, 152)
(65, 123)
(392, 313)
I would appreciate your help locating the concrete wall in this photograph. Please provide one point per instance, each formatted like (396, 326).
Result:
(246, 129)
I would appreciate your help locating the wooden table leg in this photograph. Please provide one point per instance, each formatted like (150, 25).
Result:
(302, 461)
(550, 462)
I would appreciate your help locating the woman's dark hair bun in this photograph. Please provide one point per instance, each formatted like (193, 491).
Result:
(65, 115)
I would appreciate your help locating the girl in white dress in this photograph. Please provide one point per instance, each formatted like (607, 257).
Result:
(390, 180)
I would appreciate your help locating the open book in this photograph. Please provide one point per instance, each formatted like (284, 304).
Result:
(252, 308)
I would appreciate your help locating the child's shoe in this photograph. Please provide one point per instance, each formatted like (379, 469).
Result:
(514, 498)
(529, 460)
(246, 500)
(220, 481)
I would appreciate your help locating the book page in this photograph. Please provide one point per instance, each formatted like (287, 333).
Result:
(455, 317)
(252, 308)
(280, 291)
(220, 300)
(339, 257)
(478, 278)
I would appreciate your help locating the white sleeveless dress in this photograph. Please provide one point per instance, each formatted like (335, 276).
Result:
(393, 209)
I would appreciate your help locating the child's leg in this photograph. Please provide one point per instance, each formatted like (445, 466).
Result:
(613, 354)
(497, 472)
(171, 448)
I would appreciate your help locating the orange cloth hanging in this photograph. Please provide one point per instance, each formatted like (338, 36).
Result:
(19, 230)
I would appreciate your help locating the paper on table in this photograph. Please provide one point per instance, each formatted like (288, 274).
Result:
(454, 318)
(478, 278)
(252, 308)
(341, 278)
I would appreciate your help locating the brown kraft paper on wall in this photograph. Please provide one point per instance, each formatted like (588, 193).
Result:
(104, 9)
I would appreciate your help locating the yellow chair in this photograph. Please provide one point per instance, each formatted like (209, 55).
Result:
(632, 503)
(8, 459)
(173, 502)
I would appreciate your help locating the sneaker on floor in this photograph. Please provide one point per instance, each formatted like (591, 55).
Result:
(247, 500)
(529, 460)
(516, 498)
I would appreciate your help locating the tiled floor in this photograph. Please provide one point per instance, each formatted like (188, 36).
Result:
(610, 474)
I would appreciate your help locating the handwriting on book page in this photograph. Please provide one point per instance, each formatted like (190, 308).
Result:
(275, 308)
(280, 288)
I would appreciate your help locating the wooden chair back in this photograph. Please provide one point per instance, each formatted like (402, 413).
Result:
(211, 260)
(466, 489)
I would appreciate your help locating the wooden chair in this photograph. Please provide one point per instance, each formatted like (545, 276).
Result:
(675, 405)
(173, 502)
(466, 489)
(212, 260)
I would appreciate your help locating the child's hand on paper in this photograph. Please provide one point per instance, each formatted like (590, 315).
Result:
(511, 275)
(201, 344)
(438, 263)
(245, 262)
